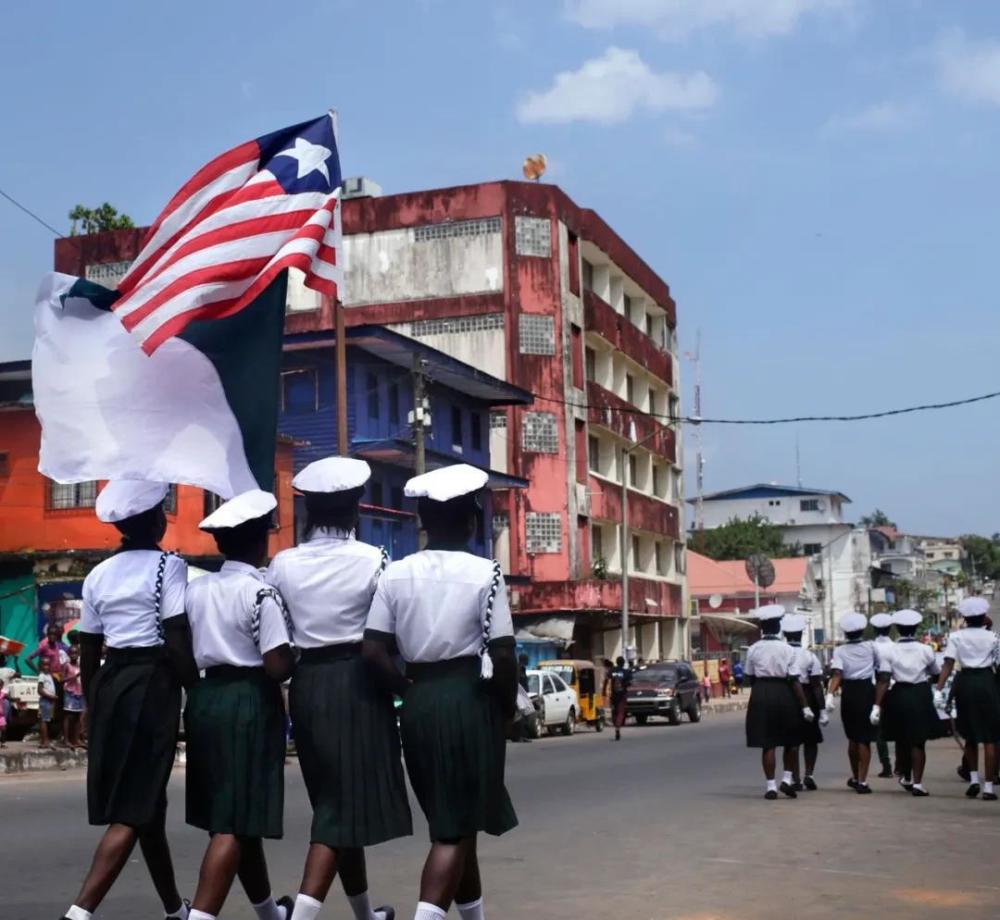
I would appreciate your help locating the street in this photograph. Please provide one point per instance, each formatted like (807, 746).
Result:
(669, 824)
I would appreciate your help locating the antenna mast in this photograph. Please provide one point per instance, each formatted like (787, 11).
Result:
(699, 512)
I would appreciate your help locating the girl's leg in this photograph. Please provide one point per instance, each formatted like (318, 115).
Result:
(989, 762)
(810, 754)
(918, 758)
(218, 870)
(469, 895)
(43, 734)
(252, 871)
(156, 853)
(864, 755)
(444, 871)
(353, 871)
(972, 757)
(853, 755)
(320, 869)
(109, 859)
(767, 761)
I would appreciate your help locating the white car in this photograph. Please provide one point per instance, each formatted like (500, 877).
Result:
(559, 707)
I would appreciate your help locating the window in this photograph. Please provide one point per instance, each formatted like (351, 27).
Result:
(543, 532)
(537, 334)
(596, 543)
(627, 306)
(375, 493)
(809, 504)
(661, 560)
(482, 323)
(371, 389)
(576, 356)
(812, 549)
(299, 391)
(393, 403)
(210, 502)
(635, 553)
(657, 481)
(170, 502)
(633, 470)
(594, 453)
(679, 558)
(456, 228)
(498, 421)
(630, 388)
(590, 359)
(72, 495)
(573, 256)
(4, 464)
(580, 450)
(540, 432)
(476, 431)
(456, 428)
(533, 236)
(588, 276)
(649, 324)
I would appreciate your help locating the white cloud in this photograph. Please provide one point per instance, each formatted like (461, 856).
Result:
(676, 19)
(883, 116)
(611, 88)
(678, 137)
(970, 69)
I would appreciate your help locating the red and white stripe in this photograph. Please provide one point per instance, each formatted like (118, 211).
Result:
(220, 241)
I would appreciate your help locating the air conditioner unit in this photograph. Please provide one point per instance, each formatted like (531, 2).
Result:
(359, 187)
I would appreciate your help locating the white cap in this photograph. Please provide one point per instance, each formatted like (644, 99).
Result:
(793, 623)
(125, 498)
(974, 607)
(907, 618)
(881, 620)
(446, 483)
(333, 474)
(852, 622)
(769, 612)
(247, 506)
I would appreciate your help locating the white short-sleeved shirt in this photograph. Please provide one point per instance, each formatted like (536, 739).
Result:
(327, 583)
(809, 664)
(772, 658)
(224, 627)
(909, 662)
(973, 647)
(119, 597)
(434, 603)
(855, 660)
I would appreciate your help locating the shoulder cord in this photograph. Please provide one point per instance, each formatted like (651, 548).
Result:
(486, 666)
(385, 558)
(161, 569)
(262, 595)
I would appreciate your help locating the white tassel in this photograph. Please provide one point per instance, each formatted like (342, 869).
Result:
(486, 668)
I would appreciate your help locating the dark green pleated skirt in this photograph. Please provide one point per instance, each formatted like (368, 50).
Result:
(453, 741)
(348, 746)
(977, 700)
(773, 716)
(132, 726)
(908, 715)
(234, 724)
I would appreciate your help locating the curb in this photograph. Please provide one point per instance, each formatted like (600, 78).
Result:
(729, 706)
(34, 761)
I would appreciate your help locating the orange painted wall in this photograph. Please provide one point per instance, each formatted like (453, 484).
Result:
(28, 525)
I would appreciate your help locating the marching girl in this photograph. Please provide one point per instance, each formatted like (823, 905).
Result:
(882, 624)
(235, 719)
(447, 612)
(134, 604)
(977, 698)
(777, 704)
(793, 626)
(345, 724)
(910, 718)
(854, 665)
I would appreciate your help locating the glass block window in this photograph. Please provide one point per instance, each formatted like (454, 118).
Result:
(533, 236)
(543, 531)
(72, 495)
(498, 420)
(481, 323)
(538, 334)
(501, 522)
(455, 228)
(210, 502)
(539, 432)
(170, 502)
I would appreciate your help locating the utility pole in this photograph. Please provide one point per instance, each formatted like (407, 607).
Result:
(418, 417)
(341, 362)
(625, 552)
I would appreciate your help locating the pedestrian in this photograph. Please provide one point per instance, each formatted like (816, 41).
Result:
(522, 724)
(73, 705)
(345, 724)
(777, 704)
(52, 648)
(46, 702)
(617, 680)
(725, 675)
(4, 711)
(811, 678)
(977, 697)
(882, 625)
(234, 720)
(134, 603)
(853, 668)
(447, 612)
(909, 715)
(738, 675)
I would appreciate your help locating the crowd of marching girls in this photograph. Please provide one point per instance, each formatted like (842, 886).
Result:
(889, 690)
(351, 630)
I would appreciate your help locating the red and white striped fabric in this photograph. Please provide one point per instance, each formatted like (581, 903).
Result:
(262, 207)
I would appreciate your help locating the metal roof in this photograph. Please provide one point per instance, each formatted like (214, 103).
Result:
(768, 490)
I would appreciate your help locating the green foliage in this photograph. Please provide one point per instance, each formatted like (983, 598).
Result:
(740, 538)
(878, 518)
(983, 555)
(599, 569)
(96, 220)
(909, 594)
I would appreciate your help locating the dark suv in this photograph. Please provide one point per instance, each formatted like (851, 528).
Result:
(666, 689)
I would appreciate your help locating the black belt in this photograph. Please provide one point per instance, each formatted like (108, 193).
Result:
(233, 672)
(135, 653)
(774, 680)
(910, 683)
(977, 671)
(421, 669)
(857, 680)
(340, 652)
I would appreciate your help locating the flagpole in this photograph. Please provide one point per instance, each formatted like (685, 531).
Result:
(341, 338)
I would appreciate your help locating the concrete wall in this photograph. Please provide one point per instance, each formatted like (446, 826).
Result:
(780, 509)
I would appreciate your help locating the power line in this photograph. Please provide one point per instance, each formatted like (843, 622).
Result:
(31, 214)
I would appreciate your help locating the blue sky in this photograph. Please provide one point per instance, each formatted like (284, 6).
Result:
(815, 179)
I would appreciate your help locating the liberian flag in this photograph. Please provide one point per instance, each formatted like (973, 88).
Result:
(264, 206)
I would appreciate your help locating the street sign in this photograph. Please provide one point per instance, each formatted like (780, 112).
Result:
(760, 570)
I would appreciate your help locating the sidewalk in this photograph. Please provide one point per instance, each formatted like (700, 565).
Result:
(726, 704)
(27, 757)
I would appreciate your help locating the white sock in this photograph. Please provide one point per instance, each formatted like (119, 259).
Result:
(918, 785)
(200, 915)
(973, 777)
(269, 910)
(987, 787)
(78, 913)
(362, 907)
(471, 911)
(180, 914)
(306, 908)
(772, 786)
(786, 777)
(427, 911)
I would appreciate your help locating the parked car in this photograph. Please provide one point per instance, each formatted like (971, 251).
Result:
(665, 689)
(559, 705)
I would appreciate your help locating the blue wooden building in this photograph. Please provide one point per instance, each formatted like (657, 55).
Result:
(380, 396)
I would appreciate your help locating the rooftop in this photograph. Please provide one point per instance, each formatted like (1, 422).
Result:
(768, 490)
(728, 577)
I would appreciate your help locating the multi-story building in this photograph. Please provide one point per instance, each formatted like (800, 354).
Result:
(516, 280)
(813, 521)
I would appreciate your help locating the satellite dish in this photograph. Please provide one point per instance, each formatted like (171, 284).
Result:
(821, 505)
(715, 601)
(760, 570)
(534, 166)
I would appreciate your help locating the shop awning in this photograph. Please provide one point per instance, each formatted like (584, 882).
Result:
(728, 622)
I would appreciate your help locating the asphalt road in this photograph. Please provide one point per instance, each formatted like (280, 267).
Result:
(669, 824)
